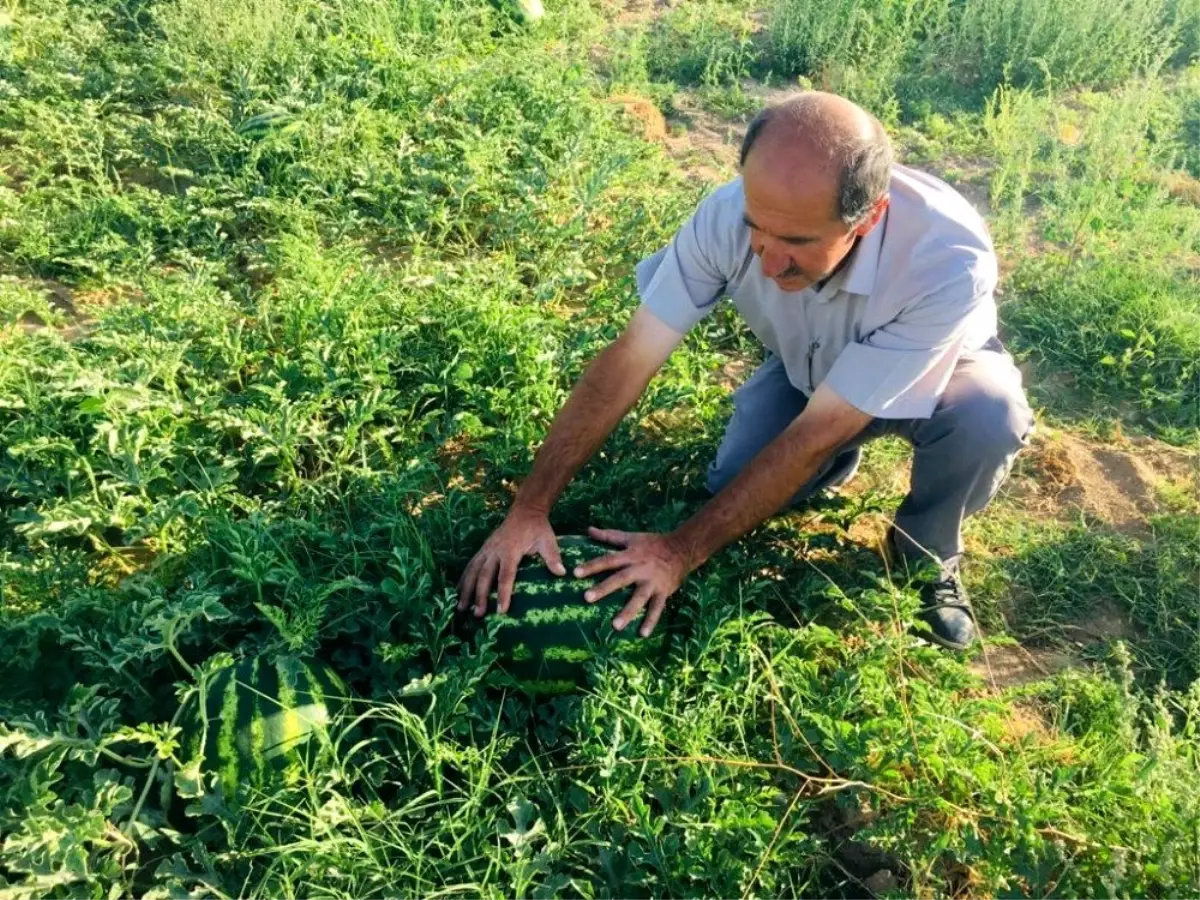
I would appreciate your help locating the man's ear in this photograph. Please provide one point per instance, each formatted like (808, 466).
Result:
(868, 224)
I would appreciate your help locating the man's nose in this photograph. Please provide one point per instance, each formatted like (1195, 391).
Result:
(773, 262)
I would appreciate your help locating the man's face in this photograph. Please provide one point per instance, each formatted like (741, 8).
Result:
(790, 209)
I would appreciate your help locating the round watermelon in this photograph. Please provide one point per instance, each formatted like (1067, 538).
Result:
(261, 722)
(524, 12)
(550, 633)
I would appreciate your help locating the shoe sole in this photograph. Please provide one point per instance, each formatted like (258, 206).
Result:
(843, 478)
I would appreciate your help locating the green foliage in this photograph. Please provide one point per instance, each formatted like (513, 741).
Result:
(1184, 18)
(707, 42)
(334, 266)
(1128, 333)
(1111, 302)
(861, 50)
(21, 305)
(1081, 574)
(1097, 42)
(916, 56)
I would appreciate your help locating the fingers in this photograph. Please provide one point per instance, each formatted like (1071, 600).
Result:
(657, 605)
(602, 564)
(632, 609)
(551, 557)
(622, 579)
(508, 574)
(483, 585)
(466, 583)
(495, 566)
(610, 536)
(477, 582)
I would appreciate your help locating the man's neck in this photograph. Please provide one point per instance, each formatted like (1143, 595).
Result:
(820, 285)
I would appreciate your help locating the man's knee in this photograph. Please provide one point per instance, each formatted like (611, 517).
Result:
(762, 408)
(717, 478)
(994, 420)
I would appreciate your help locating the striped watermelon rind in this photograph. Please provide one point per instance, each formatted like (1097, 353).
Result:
(261, 721)
(550, 633)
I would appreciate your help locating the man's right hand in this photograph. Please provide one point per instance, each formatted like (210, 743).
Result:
(523, 533)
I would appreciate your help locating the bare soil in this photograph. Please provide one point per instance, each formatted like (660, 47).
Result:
(1062, 473)
(1011, 666)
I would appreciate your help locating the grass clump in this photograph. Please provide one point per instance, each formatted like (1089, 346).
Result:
(1126, 334)
(913, 57)
(341, 262)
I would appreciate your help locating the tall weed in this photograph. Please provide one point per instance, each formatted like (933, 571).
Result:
(1063, 44)
(861, 48)
(709, 42)
(932, 54)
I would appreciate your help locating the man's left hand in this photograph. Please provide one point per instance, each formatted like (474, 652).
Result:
(649, 561)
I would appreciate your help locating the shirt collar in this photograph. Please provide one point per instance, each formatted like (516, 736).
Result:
(858, 275)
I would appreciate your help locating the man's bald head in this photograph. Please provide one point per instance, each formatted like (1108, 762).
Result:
(824, 134)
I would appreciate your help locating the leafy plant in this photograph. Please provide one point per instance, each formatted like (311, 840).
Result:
(331, 269)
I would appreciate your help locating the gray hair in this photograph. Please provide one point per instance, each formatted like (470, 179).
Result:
(864, 165)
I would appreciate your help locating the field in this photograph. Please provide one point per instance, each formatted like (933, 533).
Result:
(290, 291)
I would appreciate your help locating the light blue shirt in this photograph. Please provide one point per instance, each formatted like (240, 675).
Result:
(884, 332)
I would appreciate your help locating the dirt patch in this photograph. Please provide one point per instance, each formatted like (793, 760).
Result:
(59, 295)
(734, 372)
(1117, 484)
(62, 299)
(1005, 667)
(1105, 622)
(969, 176)
(707, 143)
(662, 423)
(459, 459)
(1183, 187)
(1023, 723)
(703, 143)
(868, 529)
(641, 12)
(86, 301)
(12, 178)
(78, 306)
(1169, 462)
(117, 563)
(1056, 477)
(645, 113)
(1011, 666)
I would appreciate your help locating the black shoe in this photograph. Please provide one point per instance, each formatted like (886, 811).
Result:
(944, 608)
(947, 612)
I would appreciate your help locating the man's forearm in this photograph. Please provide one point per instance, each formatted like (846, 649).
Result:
(761, 489)
(599, 400)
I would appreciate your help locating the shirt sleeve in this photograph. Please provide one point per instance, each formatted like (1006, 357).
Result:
(682, 282)
(900, 370)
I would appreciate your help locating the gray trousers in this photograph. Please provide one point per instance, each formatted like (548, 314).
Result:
(961, 454)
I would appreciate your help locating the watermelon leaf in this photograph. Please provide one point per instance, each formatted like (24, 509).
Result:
(528, 824)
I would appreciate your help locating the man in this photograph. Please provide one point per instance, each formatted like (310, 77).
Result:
(872, 293)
